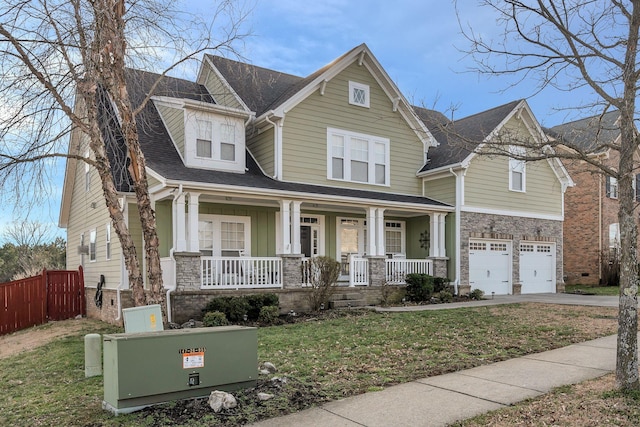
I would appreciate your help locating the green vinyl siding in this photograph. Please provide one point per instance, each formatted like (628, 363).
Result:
(164, 226)
(441, 189)
(261, 146)
(414, 228)
(486, 185)
(305, 134)
(263, 225)
(174, 121)
(88, 212)
(220, 92)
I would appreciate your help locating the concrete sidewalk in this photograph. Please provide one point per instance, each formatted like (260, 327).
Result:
(444, 399)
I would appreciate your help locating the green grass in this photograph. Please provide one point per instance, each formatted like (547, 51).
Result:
(334, 358)
(591, 289)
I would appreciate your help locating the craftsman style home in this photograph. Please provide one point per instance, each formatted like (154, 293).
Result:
(253, 172)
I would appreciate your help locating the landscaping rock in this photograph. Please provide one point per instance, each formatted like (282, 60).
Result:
(192, 324)
(269, 367)
(219, 400)
(265, 396)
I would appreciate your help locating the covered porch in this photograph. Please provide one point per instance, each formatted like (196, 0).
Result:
(235, 242)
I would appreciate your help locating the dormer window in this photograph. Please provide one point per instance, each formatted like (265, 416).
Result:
(359, 94)
(204, 141)
(227, 142)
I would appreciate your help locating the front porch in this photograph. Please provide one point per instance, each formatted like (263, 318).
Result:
(292, 271)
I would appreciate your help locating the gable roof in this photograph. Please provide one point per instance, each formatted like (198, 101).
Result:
(270, 92)
(590, 134)
(458, 139)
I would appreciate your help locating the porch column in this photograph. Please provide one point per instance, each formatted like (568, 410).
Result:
(180, 224)
(295, 228)
(285, 226)
(380, 243)
(371, 232)
(194, 244)
(441, 235)
(434, 234)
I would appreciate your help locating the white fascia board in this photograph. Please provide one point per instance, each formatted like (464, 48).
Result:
(440, 172)
(201, 106)
(212, 68)
(519, 214)
(314, 197)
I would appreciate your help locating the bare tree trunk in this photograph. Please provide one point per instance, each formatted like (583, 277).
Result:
(109, 55)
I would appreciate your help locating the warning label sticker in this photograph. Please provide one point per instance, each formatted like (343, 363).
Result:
(193, 360)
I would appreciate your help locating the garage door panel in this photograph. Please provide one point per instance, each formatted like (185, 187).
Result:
(537, 267)
(489, 266)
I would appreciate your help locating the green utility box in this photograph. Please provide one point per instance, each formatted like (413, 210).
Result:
(143, 369)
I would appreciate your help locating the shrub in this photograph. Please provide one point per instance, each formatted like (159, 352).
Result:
(445, 296)
(419, 287)
(215, 318)
(268, 314)
(257, 301)
(610, 268)
(476, 294)
(323, 278)
(440, 284)
(235, 308)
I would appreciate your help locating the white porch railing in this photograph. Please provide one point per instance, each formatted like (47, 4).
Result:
(397, 269)
(359, 272)
(241, 273)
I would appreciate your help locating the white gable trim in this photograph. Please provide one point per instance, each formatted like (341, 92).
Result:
(212, 68)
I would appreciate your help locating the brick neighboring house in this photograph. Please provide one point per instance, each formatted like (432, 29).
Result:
(591, 228)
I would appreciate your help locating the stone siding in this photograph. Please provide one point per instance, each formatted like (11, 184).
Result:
(515, 229)
(188, 270)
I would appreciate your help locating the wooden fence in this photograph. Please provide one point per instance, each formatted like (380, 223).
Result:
(54, 295)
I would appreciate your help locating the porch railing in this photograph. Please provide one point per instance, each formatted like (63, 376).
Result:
(359, 272)
(241, 273)
(397, 269)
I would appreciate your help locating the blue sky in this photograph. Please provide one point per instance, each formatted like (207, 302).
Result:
(418, 42)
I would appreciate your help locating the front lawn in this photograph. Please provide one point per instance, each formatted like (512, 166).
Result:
(323, 359)
(592, 290)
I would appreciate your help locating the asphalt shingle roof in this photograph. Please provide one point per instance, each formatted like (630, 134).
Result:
(457, 139)
(589, 134)
(162, 157)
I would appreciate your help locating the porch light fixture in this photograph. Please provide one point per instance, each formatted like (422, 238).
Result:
(424, 239)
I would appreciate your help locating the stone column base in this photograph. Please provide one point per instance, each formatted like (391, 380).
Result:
(188, 271)
(464, 290)
(291, 270)
(517, 288)
(377, 270)
(560, 287)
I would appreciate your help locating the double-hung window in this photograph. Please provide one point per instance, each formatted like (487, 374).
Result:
(357, 157)
(215, 140)
(220, 235)
(612, 187)
(92, 245)
(517, 169)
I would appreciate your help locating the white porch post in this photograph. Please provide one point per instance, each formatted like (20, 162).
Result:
(295, 228)
(194, 244)
(371, 232)
(380, 237)
(285, 225)
(441, 235)
(180, 223)
(434, 234)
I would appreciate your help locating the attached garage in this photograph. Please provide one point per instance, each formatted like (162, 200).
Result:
(490, 266)
(537, 267)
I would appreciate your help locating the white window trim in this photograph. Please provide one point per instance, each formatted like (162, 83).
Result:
(216, 141)
(517, 164)
(403, 236)
(87, 173)
(108, 242)
(217, 220)
(613, 187)
(93, 241)
(372, 140)
(365, 88)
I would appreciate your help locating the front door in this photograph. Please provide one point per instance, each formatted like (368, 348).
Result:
(305, 240)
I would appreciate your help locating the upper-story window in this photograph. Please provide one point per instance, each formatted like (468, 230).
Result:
(359, 94)
(357, 157)
(517, 170)
(612, 187)
(223, 147)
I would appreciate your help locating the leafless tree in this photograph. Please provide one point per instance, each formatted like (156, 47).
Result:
(569, 45)
(63, 61)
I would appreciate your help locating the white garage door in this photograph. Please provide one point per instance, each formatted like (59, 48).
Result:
(490, 266)
(537, 267)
